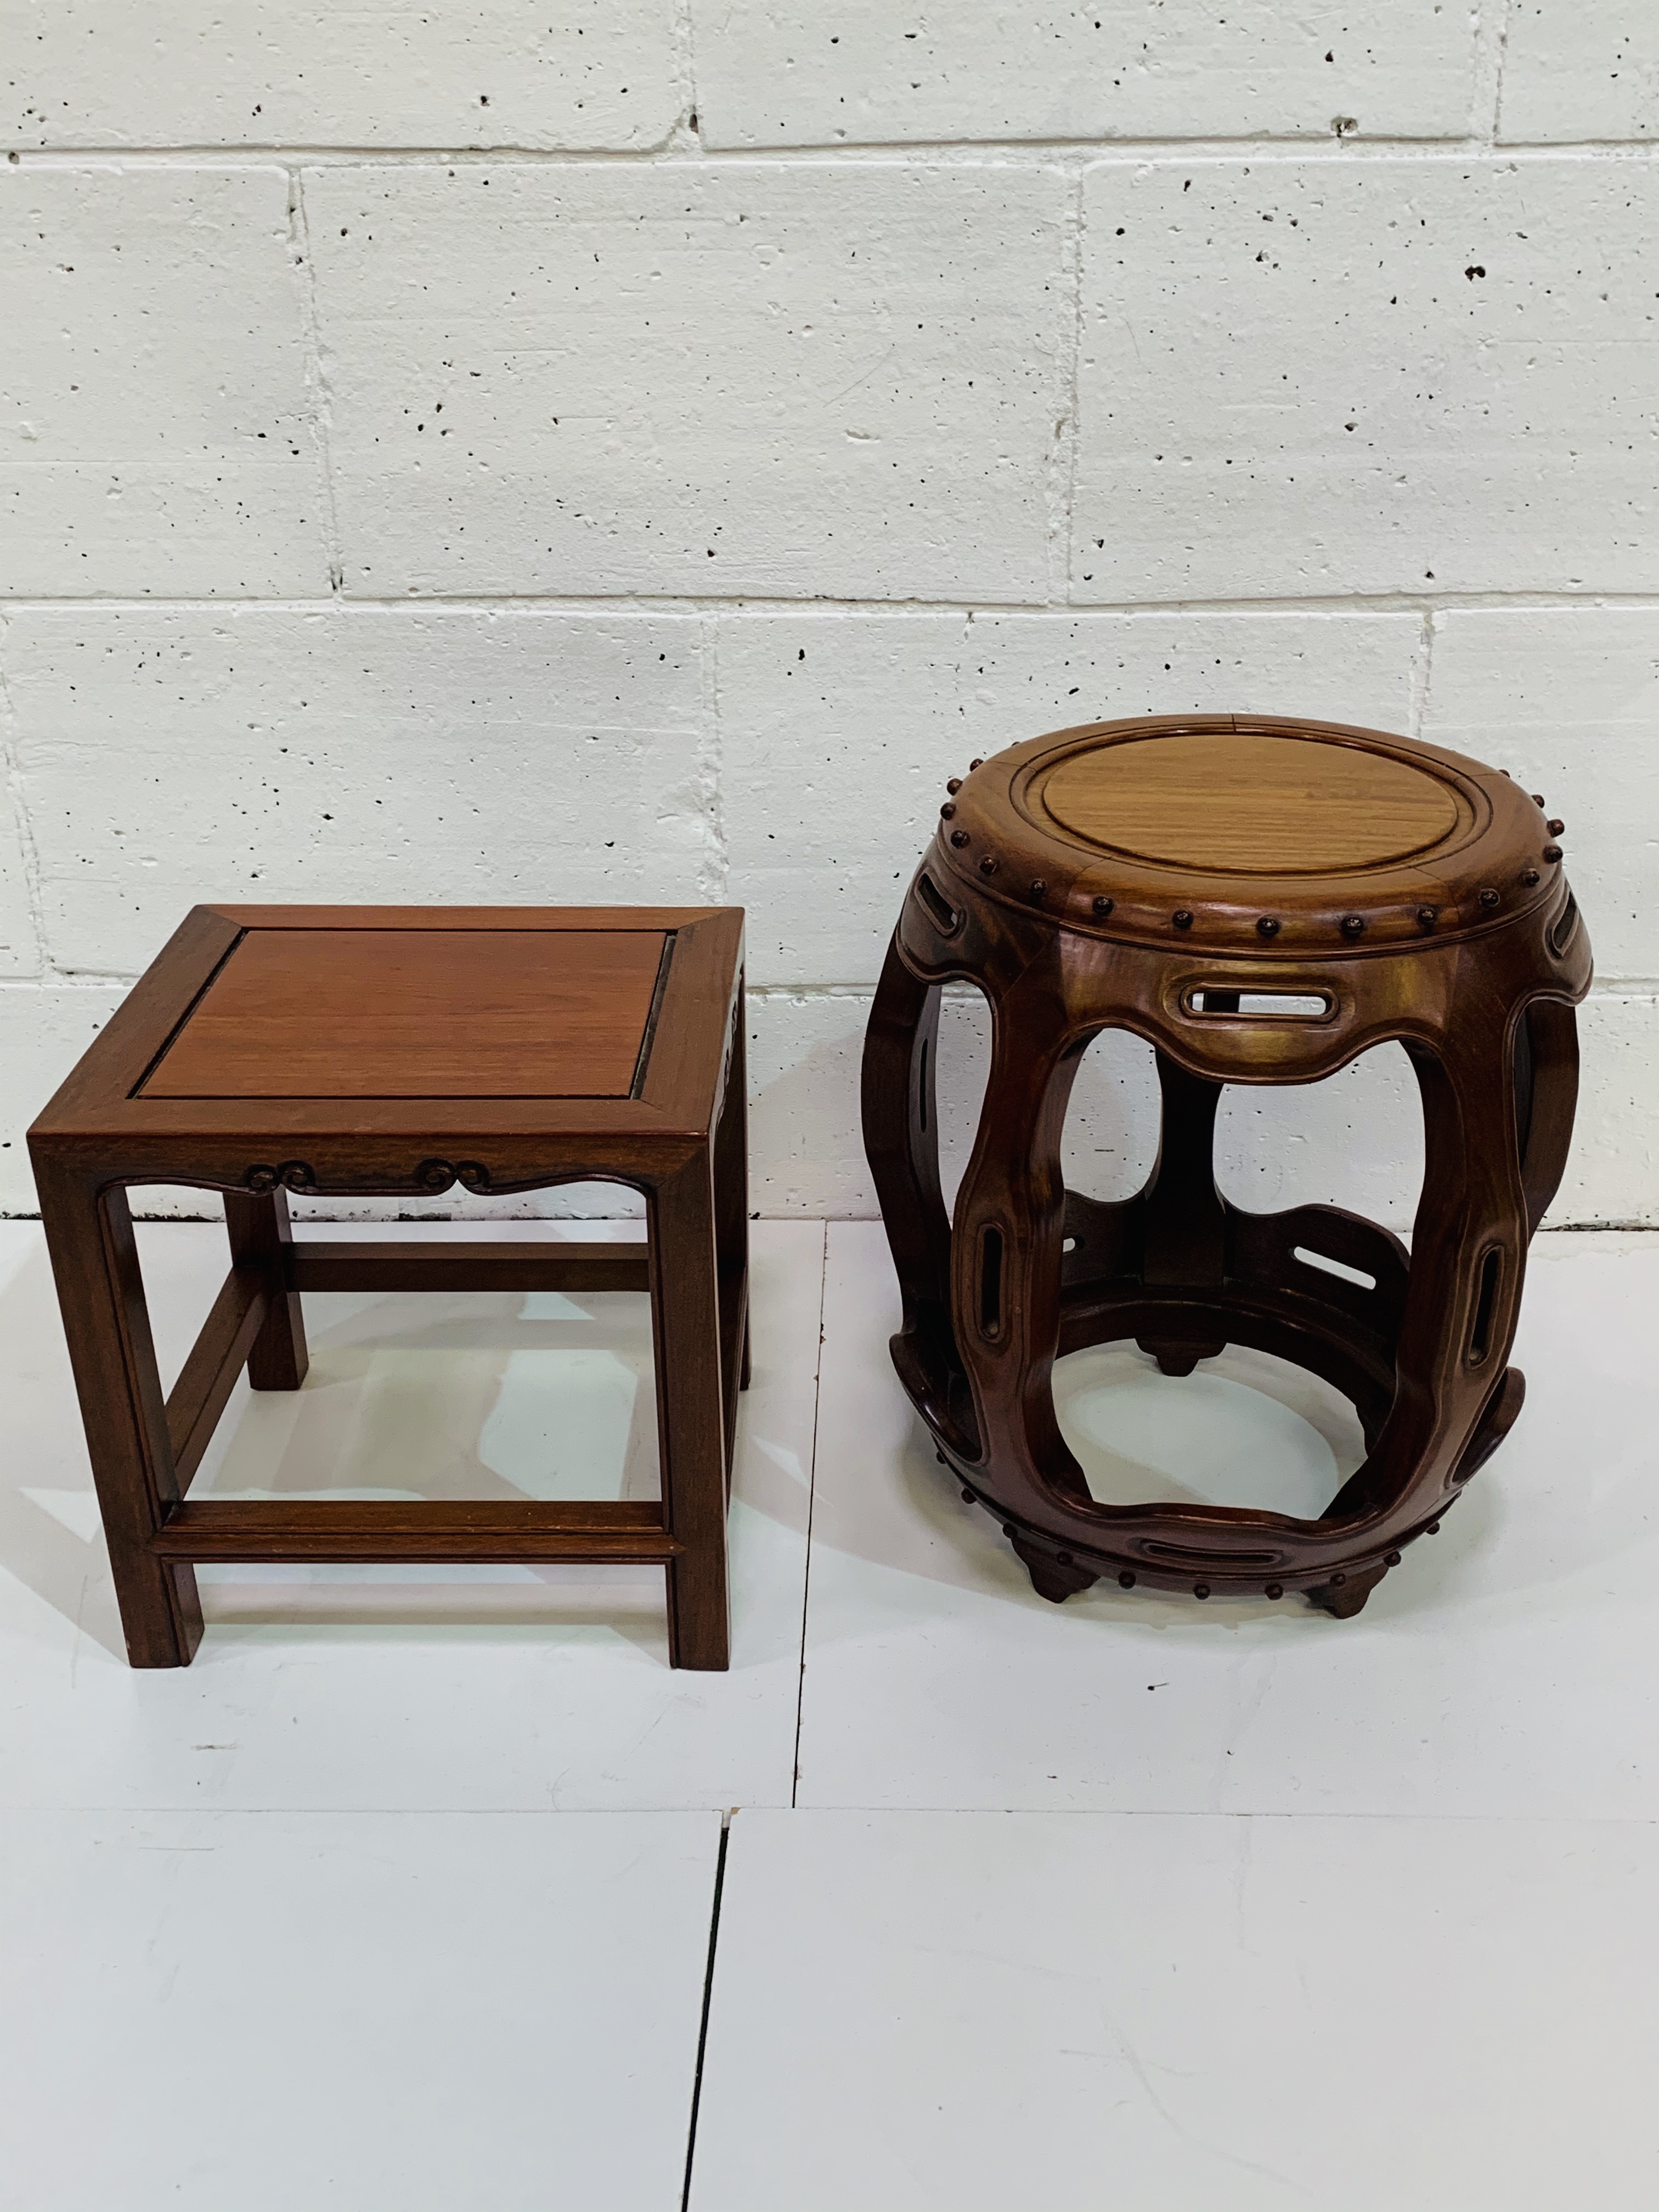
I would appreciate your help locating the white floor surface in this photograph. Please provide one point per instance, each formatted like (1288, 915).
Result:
(404, 1893)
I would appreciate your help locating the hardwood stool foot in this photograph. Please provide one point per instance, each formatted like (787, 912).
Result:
(1346, 1595)
(1178, 1358)
(1056, 1579)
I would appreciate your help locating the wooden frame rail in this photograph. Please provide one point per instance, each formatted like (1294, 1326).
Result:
(217, 1358)
(604, 1533)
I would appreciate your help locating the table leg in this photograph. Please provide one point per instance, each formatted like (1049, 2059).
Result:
(690, 1414)
(101, 1290)
(259, 1227)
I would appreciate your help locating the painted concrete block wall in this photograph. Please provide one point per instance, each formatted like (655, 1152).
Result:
(467, 452)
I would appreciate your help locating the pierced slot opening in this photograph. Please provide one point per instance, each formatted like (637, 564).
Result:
(921, 1089)
(1211, 1000)
(1068, 1244)
(1338, 1268)
(1562, 928)
(990, 1282)
(943, 916)
(1486, 1300)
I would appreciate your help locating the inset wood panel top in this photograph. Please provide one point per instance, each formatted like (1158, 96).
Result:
(1247, 802)
(419, 1013)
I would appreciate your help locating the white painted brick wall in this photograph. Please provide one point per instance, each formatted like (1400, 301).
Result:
(799, 73)
(1580, 69)
(585, 74)
(786, 381)
(1321, 377)
(161, 438)
(20, 946)
(396, 506)
(339, 752)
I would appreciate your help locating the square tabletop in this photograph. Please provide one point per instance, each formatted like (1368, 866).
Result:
(413, 1024)
(524, 1011)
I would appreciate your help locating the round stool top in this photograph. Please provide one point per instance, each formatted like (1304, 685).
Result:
(1250, 832)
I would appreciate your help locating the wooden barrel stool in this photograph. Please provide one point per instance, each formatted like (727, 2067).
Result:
(1261, 900)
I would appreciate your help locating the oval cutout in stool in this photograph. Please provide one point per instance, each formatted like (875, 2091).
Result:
(1338, 1268)
(1186, 1555)
(942, 915)
(1480, 1328)
(1234, 1004)
(990, 1282)
(1563, 927)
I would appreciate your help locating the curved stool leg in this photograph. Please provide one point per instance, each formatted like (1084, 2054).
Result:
(900, 1139)
(1546, 1087)
(1005, 1271)
(1184, 1219)
(1455, 1398)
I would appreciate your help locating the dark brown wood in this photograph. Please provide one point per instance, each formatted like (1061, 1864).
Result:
(406, 1050)
(690, 1412)
(261, 1236)
(600, 1534)
(1261, 900)
(101, 1292)
(215, 1366)
(476, 1264)
(731, 1166)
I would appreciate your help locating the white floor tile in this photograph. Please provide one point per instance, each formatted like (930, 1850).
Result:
(401, 1686)
(1207, 2012)
(388, 2012)
(1510, 1666)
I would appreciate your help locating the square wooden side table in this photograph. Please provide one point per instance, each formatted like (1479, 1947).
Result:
(400, 1050)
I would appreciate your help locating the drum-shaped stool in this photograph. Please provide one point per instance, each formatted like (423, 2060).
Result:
(1263, 901)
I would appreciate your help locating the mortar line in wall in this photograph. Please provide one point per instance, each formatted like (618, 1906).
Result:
(1061, 476)
(713, 748)
(688, 605)
(1422, 671)
(684, 137)
(1506, 9)
(316, 378)
(11, 771)
(1487, 15)
(959, 153)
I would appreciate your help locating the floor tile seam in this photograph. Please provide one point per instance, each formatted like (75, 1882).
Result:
(722, 1811)
(1632, 1820)
(708, 2001)
(811, 1499)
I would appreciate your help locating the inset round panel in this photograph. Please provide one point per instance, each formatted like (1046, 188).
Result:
(1247, 802)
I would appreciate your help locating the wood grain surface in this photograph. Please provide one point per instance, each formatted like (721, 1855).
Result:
(1249, 802)
(325, 1013)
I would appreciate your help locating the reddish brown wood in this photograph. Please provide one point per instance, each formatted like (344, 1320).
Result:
(100, 1291)
(690, 1411)
(398, 1013)
(1167, 877)
(601, 1534)
(405, 1050)
(262, 1236)
(214, 1366)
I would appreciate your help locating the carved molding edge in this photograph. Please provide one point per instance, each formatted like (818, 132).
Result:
(430, 1177)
